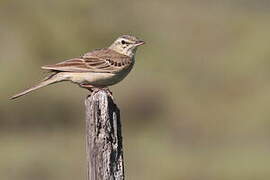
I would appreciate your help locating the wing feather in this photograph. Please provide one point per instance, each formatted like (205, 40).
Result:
(104, 60)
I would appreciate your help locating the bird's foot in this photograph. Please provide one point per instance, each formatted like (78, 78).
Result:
(87, 86)
(94, 90)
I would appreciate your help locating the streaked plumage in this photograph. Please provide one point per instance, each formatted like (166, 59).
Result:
(103, 60)
(98, 68)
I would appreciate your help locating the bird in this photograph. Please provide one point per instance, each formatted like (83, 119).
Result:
(99, 68)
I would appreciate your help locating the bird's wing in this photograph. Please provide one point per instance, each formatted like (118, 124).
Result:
(103, 60)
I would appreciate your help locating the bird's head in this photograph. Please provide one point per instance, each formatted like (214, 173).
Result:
(126, 45)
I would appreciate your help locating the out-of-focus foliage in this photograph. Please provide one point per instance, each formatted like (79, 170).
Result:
(196, 106)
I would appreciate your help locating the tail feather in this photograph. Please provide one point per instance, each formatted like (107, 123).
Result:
(53, 78)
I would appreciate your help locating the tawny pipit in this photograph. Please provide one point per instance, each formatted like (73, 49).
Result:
(96, 69)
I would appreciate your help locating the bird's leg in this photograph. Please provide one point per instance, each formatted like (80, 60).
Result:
(87, 86)
(94, 89)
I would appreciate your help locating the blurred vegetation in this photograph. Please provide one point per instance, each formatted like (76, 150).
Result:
(194, 107)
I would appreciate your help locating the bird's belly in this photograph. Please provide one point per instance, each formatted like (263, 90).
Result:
(95, 79)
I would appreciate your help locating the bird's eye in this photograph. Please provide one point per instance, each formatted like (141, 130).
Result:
(123, 42)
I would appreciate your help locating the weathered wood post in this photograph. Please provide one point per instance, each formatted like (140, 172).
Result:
(103, 138)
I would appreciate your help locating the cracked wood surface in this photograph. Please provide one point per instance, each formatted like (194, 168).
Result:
(103, 138)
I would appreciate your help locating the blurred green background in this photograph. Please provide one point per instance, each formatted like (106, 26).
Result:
(195, 107)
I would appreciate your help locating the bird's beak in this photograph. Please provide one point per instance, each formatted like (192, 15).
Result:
(138, 43)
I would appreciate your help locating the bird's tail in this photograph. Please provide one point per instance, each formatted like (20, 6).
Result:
(53, 78)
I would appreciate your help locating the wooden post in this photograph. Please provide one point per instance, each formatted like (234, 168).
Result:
(103, 138)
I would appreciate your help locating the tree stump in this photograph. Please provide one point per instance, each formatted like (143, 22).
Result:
(103, 138)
